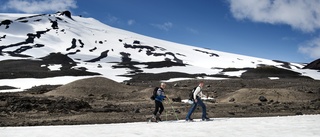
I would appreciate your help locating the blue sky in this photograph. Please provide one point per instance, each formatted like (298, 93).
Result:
(286, 30)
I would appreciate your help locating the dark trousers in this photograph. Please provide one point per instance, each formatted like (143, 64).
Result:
(158, 105)
(194, 106)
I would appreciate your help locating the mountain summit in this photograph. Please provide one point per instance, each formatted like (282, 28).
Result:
(50, 45)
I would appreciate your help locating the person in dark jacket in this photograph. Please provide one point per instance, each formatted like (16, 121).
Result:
(158, 102)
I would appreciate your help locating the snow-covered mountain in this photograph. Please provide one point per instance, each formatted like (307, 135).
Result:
(85, 44)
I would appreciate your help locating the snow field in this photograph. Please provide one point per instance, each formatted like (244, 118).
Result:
(287, 126)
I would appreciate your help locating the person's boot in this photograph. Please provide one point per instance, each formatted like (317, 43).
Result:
(206, 119)
(153, 118)
(189, 119)
(158, 117)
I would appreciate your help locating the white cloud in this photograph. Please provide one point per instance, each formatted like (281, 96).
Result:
(131, 22)
(165, 26)
(303, 15)
(286, 38)
(39, 6)
(311, 48)
(112, 19)
(194, 31)
(118, 21)
(85, 13)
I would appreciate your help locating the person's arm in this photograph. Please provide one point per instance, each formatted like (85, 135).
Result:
(203, 95)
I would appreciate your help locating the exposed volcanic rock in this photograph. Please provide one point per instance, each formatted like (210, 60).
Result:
(75, 52)
(11, 69)
(67, 13)
(74, 45)
(29, 17)
(136, 42)
(58, 58)
(313, 65)
(210, 54)
(165, 76)
(3, 37)
(39, 68)
(128, 63)
(162, 64)
(6, 22)
(285, 64)
(125, 57)
(102, 55)
(93, 49)
(38, 35)
(54, 24)
(25, 104)
(7, 87)
(140, 47)
(82, 44)
(269, 71)
(30, 39)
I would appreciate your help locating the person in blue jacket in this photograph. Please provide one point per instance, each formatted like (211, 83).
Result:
(160, 96)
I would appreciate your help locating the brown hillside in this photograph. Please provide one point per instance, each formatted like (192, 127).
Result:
(96, 86)
(251, 95)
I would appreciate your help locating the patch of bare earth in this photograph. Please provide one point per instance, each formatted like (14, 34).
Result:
(100, 100)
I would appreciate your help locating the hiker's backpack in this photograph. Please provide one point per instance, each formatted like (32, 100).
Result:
(191, 93)
(154, 93)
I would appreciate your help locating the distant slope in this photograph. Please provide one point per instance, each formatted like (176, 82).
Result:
(99, 87)
(313, 65)
(110, 52)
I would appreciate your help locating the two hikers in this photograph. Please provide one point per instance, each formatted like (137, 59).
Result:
(159, 96)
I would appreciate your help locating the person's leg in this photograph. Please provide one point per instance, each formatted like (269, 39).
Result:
(193, 107)
(161, 108)
(156, 109)
(204, 109)
(158, 116)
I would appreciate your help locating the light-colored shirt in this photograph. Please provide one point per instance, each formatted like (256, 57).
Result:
(198, 92)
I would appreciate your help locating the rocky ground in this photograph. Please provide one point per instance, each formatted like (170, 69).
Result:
(100, 100)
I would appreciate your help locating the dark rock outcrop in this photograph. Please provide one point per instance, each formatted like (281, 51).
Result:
(57, 58)
(263, 99)
(67, 13)
(270, 71)
(6, 22)
(313, 65)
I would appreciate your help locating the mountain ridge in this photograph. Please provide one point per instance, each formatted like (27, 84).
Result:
(98, 48)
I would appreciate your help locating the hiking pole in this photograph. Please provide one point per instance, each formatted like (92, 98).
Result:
(166, 115)
(172, 108)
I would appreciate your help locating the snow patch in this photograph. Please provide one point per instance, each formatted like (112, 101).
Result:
(274, 78)
(26, 83)
(55, 67)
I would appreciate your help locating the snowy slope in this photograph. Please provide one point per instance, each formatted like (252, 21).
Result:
(289, 126)
(109, 51)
